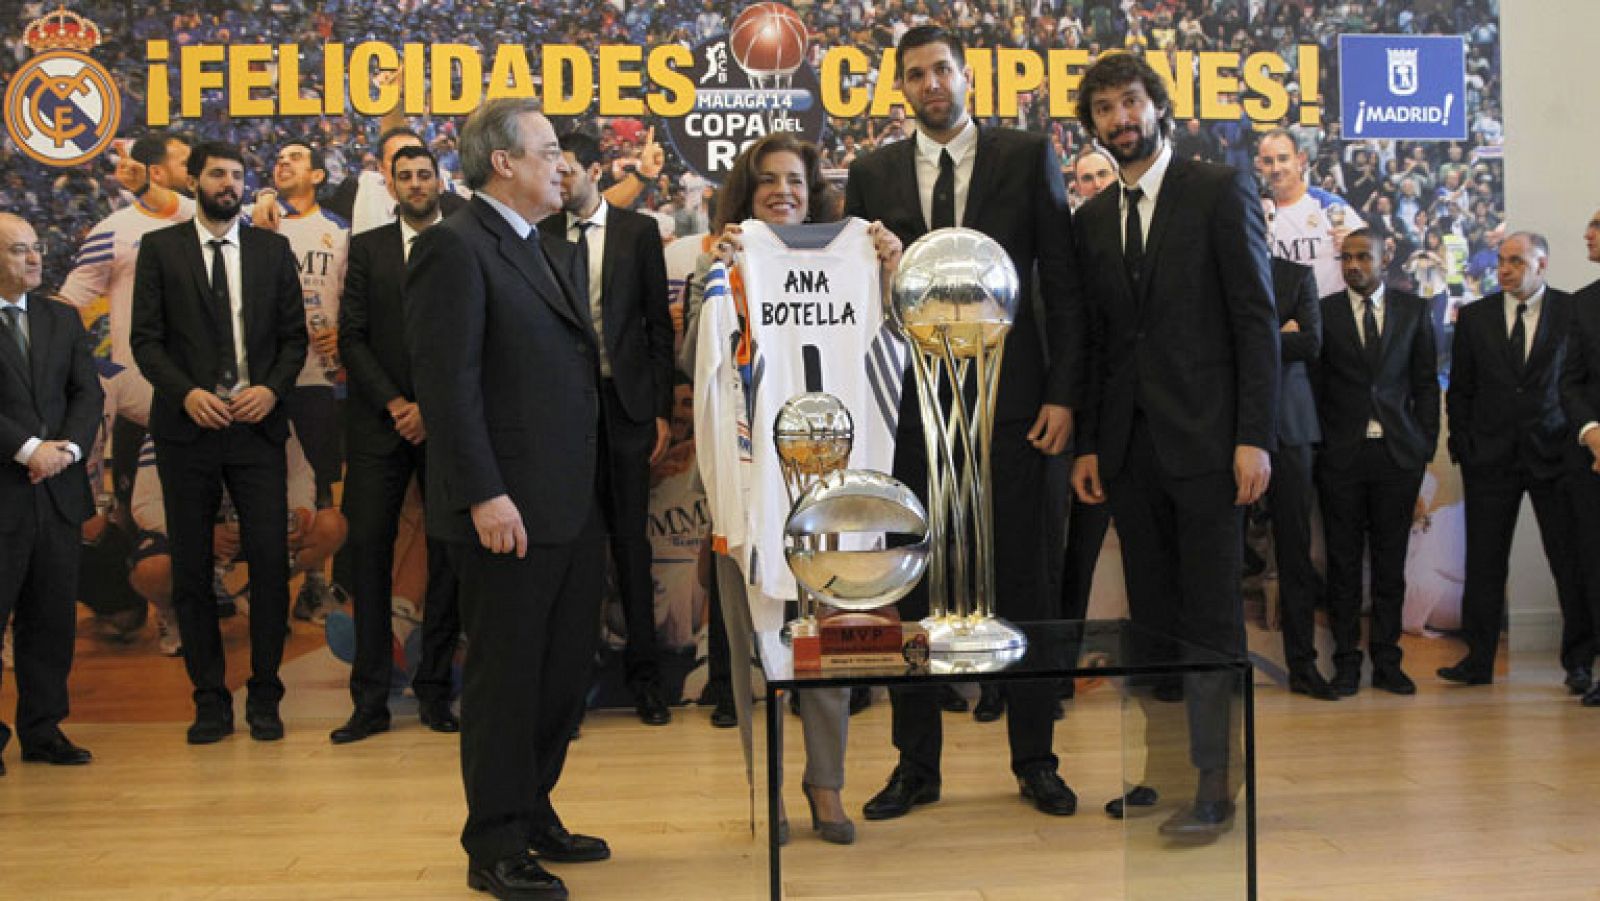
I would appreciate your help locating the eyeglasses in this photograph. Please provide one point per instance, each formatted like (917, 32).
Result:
(21, 249)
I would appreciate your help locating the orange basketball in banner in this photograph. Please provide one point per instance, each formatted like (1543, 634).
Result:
(768, 39)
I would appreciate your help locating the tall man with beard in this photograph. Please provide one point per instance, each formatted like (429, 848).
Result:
(1181, 417)
(1006, 184)
(219, 330)
(384, 435)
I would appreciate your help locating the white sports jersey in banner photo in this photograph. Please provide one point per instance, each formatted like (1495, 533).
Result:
(1303, 233)
(817, 323)
(321, 243)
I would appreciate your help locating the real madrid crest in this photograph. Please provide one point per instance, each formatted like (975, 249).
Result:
(62, 107)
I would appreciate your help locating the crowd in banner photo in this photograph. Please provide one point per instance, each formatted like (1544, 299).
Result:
(1256, 85)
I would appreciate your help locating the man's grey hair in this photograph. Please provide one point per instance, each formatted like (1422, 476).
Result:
(493, 126)
(1535, 240)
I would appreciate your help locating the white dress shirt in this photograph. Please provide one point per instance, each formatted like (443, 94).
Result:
(408, 235)
(230, 259)
(963, 151)
(597, 247)
(1150, 184)
(25, 453)
(1379, 307)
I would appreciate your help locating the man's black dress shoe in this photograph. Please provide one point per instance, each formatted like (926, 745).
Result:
(265, 724)
(1393, 679)
(1465, 675)
(1592, 697)
(906, 789)
(58, 751)
(991, 704)
(519, 878)
(1201, 820)
(436, 715)
(950, 700)
(1579, 680)
(1346, 681)
(1310, 682)
(651, 706)
(362, 724)
(723, 716)
(210, 727)
(1044, 787)
(1138, 796)
(556, 844)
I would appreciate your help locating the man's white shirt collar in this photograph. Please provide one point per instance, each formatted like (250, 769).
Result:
(959, 146)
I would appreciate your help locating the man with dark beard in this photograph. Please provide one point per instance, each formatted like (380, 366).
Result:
(219, 330)
(1181, 416)
(384, 434)
(1006, 184)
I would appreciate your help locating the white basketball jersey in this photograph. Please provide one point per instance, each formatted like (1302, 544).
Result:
(722, 416)
(817, 323)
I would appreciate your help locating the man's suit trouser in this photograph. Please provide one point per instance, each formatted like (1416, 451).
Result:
(1493, 503)
(1023, 589)
(1182, 558)
(629, 444)
(1367, 503)
(532, 626)
(38, 584)
(1289, 499)
(1586, 501)
(193, 474)
(374, 491)
(1087, 525)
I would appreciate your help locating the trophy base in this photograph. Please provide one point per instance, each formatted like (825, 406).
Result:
(972, 635)
(799, 627)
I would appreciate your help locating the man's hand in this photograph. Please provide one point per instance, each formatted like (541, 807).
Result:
(253, 404)
(1252, 470)
(1591, 440)
(1051, 430)
(1290, 327)
(663, 439)
(1086, 479)
(266, 213)
(407, 418)
(499, 526)
(326, 342)
(48, 460)
(652, 159)
(206, 409)
(225, 541)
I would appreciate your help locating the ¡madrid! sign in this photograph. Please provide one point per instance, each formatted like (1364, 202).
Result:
(1406, 87)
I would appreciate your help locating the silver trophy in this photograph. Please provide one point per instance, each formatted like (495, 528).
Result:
(813, 434)
(955, 297)
(856, 501)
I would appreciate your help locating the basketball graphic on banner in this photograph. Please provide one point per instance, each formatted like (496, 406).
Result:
(768, 39)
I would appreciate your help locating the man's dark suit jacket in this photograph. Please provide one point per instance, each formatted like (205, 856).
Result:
(372, 337)
(54, 396)
(1043, 364)
(506, 375)
(176, 331)
(637, 327)
(1502, 414)
(1580, 372)
(1404, 391)
(1294, 287)
(1196, 349)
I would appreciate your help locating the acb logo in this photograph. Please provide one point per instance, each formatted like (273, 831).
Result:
(62, 107)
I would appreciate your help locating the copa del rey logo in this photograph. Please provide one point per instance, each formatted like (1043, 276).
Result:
(1403, 78)
(62, 107)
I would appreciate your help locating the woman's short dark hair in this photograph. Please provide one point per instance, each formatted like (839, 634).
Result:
(1114, 70)
(739, 190)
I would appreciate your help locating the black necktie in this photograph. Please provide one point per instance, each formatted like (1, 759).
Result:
(536, 247)
(14, 323)
(227, 360)
(1133, 234)
(1519, 337)
(944, 192)
(580, 266)
(1369, 330)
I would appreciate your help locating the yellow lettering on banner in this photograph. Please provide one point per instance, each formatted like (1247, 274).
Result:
(195, 78)
(1066, 67)
(510, 75)
(446, 57)
(980, 101)
(414, 75)
(333, 92)
(1310, 85)
(369, 99)
(1019, 71)
(158, 95)
(1214, 83)
(839, 63)
(290, 103)
(568, 80)
(1262, 74)
(664, 64)
(250, 70)
(1180, 84)
(619, 71)
(888, 95)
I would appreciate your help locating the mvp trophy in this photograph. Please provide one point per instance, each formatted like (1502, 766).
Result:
(813, 434)
(955, 297)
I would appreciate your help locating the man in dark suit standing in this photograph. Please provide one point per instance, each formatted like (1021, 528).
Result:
(219, 329)
(1511, 437)
(506, 368)
(384, 435)
(1006, 184)
(1180, 424)
(621, 275)
(50, 402)
(1294, 288)
(1379, 399)
(1580, 399)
